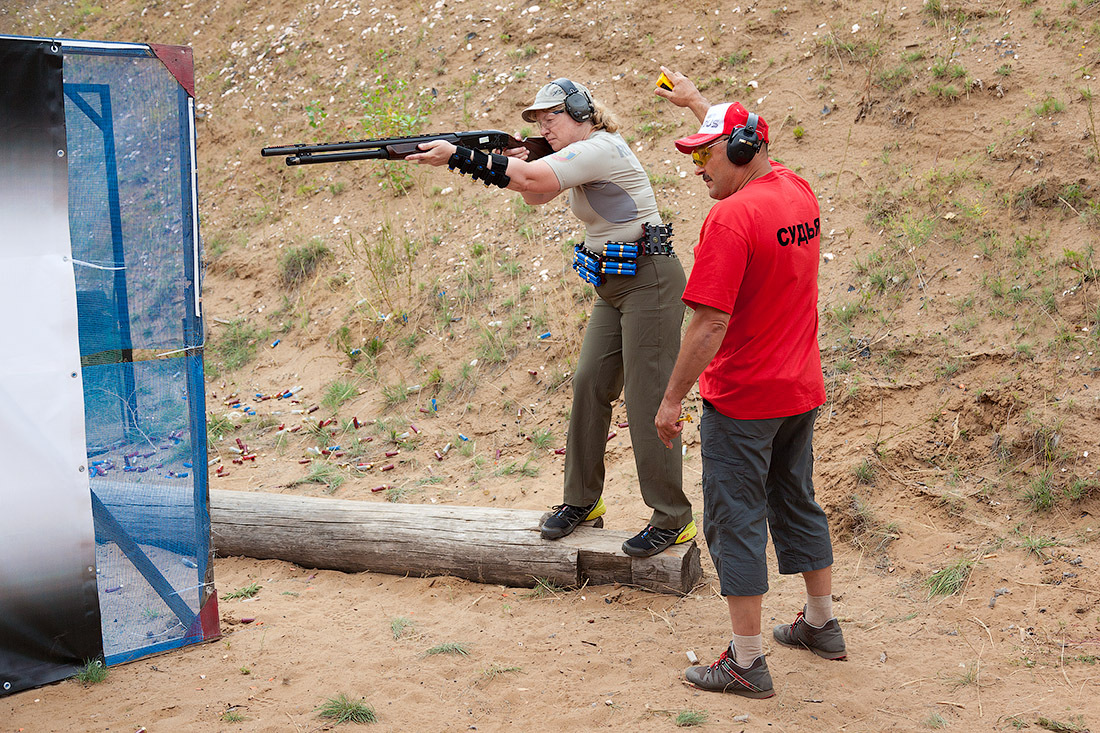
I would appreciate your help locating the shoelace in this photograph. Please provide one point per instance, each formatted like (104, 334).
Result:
(651, 530)
(562, 509)
(796, 620)
(721, 658)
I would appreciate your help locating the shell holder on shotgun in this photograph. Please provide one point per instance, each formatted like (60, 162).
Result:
(620, 258)
(481, 166)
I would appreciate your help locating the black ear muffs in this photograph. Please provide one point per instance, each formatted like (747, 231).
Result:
(744, 142)
(577, 104)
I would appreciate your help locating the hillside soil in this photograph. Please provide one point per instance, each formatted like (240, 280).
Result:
(954, 149)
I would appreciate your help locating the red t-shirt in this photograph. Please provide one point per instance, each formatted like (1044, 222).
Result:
(757, 260)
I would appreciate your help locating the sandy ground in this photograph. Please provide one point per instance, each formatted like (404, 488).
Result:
(954, 150)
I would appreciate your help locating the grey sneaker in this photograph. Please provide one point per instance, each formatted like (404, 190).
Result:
(725, 676)
(825, 641)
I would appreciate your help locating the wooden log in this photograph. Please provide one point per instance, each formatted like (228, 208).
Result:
(486, 545)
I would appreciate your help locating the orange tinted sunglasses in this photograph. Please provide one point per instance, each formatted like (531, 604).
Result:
(700, 156)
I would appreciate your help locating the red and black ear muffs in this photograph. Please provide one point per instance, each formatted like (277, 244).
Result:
(744, 142)
(577, 104)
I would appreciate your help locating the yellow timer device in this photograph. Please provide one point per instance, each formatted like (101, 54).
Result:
(663, 82)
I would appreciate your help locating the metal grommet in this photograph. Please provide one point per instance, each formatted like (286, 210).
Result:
(54, 48)
(73, 375)
(60, 153)
(81, 469)
(7, 685)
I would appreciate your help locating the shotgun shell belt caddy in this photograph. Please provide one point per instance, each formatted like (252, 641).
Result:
(621, 258)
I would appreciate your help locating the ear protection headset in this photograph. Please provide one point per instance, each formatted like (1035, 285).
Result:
(577, 103)
(744, 143)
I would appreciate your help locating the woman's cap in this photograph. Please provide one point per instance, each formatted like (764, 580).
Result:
(551, 95)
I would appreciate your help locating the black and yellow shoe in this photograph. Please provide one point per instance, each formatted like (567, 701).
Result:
(652, 540)
(565, 518)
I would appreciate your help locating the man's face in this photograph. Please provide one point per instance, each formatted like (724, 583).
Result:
(712, 164)
(723, 178)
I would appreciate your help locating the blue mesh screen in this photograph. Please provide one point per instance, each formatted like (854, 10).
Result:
(130, 217)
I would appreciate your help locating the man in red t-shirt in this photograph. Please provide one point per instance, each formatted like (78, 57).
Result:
(752, 344)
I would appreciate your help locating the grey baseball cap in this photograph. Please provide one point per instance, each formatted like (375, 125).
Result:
(551, 96)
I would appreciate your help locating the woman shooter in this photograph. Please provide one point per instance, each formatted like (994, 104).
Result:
(633, 333)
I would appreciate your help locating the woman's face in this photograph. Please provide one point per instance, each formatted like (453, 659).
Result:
(559, 128)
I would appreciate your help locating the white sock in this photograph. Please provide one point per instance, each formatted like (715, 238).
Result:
(746, 649)
(819, 609)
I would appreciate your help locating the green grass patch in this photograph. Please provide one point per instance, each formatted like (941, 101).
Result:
(542, 438)
(736, 58)
(945, 91)
(1081, 488)
(528, 469)
(497, 670)
(321, 473)
(690, 718)
(1058, 726)
(893, 79)
(935, 721)
(237, 345)
(248, 591)
(1035, 545)
(1049, 106)
(1040, 493)
(950, 580)
(342, 709)
(338, 393)
(217, 427)
(299, 263)
(400, 626)
(865, 472)
(398, 494)
(395, 394)
(93, 672)
(544, 587)
(449, 647)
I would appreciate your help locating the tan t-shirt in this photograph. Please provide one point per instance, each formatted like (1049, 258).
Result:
(608, 188)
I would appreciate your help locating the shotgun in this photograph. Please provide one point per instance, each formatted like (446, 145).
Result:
(398, 148)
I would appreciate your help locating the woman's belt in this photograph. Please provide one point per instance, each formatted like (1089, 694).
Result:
(621, 258)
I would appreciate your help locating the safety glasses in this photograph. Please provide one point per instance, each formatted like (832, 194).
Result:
(700, 156)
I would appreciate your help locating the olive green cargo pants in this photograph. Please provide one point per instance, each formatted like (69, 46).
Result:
(630, 346)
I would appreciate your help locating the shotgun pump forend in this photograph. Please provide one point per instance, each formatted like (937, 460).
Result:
(399, 148)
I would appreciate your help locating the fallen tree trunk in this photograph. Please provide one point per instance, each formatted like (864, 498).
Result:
(486, 545)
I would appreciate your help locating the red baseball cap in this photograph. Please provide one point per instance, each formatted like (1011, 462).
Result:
(721, 119)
